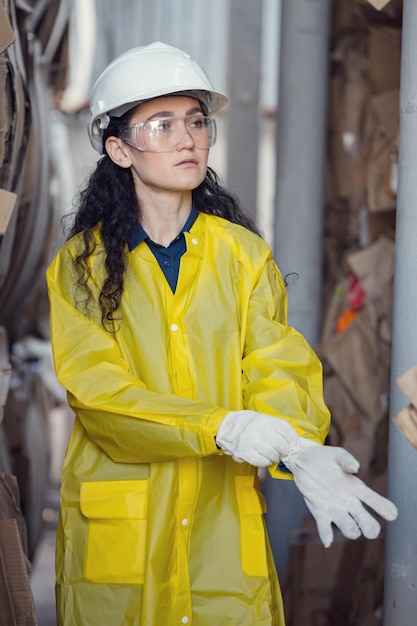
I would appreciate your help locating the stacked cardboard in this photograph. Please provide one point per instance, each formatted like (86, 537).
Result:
(343, 585)
(360, 225)
(32, 48)
(12, 136)
(336, 586)
(17, 606)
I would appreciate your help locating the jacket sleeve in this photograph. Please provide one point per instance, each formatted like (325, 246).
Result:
(129, 422)
(282, 375)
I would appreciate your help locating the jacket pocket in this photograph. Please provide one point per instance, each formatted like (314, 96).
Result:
(117, 520)
(252, 506)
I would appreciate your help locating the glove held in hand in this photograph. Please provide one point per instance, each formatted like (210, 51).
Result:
(324, 475)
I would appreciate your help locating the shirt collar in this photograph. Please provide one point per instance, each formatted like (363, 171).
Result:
(137, 234)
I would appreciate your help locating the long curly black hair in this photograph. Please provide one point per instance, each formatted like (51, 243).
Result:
(109, 199)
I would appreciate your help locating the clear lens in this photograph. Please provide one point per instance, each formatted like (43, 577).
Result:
(165, 134)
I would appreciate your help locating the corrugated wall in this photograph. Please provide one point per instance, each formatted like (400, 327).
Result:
(198, 26)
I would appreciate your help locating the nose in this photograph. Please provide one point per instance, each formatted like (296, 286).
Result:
(185, 141)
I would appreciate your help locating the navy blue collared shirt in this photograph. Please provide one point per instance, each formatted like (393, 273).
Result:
(168, 258)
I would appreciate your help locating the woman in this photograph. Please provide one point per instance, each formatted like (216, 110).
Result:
(168, 325)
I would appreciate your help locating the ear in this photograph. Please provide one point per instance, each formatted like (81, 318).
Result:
(118, 151)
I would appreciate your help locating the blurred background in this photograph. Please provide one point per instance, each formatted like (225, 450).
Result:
(309, 142)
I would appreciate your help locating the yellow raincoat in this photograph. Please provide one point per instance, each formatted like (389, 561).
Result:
(157, 526)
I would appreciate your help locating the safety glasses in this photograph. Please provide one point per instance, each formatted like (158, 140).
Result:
(165, 134)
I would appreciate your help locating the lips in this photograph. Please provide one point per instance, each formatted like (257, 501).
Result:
(189, 161)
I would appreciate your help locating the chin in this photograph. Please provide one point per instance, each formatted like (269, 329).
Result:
(188, 184)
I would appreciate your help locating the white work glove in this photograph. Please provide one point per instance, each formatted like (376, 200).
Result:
(323, 474)
(256, 438)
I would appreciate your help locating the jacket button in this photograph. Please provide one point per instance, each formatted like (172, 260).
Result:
(185, 620)
(174, 327)
(184, 523)
(194, 241)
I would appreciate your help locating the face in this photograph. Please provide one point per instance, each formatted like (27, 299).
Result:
(182, 169)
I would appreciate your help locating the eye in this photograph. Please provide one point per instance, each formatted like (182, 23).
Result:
(197, 122)
(163, 124)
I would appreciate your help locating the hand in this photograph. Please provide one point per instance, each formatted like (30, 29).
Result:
(324, 475)
(256, 438)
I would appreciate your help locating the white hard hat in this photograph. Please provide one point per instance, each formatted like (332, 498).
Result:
(143, 73)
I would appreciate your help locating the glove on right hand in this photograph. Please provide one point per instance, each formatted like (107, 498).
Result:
(256, 438)
(333, 494)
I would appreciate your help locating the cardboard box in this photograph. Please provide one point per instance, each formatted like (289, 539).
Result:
(383, 121)
(348, 15)
(378, 4)
(16, 598)
(360, 356)
(341, 585)
(7, 205)
(408, 383)
(384, 58)
(7, 36)
(381, 223)
(406, 420)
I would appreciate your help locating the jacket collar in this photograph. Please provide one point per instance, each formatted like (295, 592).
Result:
(138, 234)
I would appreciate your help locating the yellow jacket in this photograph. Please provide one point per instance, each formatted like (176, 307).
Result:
(157, 526)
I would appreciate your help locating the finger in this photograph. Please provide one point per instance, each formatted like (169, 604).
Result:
(368, 525)
(279, 443)
(323, 522)
(347, 525)
(268, 450)
(325, 530)
(256, 459)
(384, 507)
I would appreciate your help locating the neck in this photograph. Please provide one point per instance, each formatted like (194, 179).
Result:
(163, 220)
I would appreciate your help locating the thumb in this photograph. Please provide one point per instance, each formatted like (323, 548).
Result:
(347, 461)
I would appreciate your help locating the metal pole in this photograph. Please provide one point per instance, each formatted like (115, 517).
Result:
(301, 146)
(400, 598)
(243, 117)
(301, 142)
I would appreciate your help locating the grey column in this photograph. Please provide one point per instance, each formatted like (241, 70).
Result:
(301, 147)
(400, 598)
(243, 115)
(301, 142)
